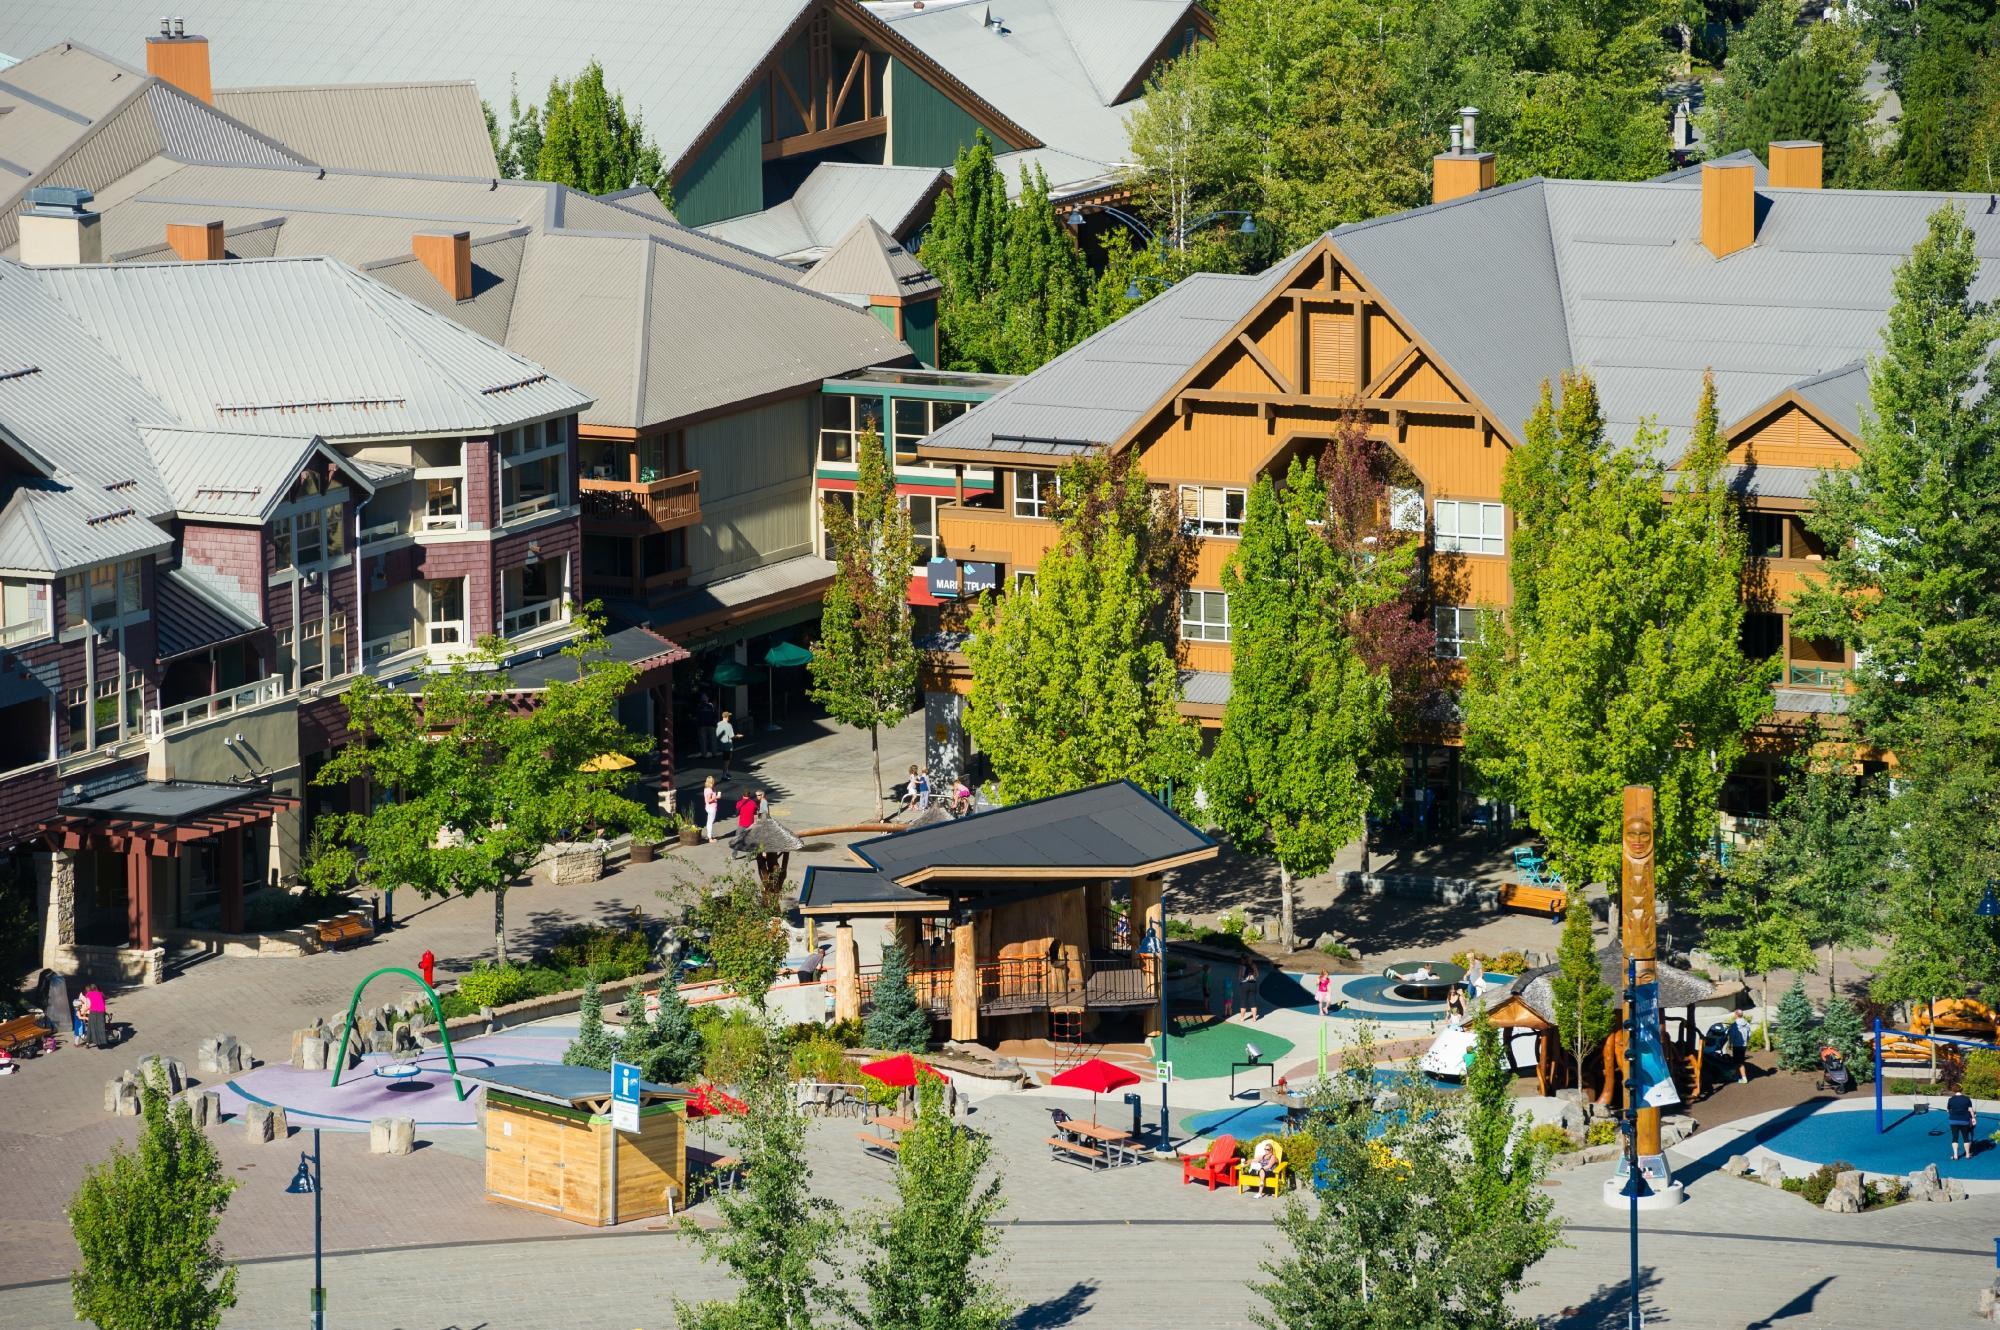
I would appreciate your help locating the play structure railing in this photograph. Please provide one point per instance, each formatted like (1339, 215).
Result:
(1027, 982)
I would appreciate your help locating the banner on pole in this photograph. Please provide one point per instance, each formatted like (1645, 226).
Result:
(1652, 1079)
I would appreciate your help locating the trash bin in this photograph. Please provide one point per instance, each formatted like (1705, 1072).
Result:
(1132, 1102)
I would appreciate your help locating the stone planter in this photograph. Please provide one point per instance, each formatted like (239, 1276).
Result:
(642, 852)
(576, 863)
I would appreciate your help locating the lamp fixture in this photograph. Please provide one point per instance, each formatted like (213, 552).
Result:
(1989, 904)
(302, 1183)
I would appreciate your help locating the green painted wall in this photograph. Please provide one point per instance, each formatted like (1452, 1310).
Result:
(884, 315)
(727, 179)
(920, 329)
(926, 128)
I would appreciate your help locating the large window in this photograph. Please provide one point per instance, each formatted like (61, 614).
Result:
(446, 617)
(532, 466)
(1468, 527)
(1211, 510)
(844, 419)
(845, 499)
(305, 540)
(1032, 492)
(101, 715)
(1765, 534)
(924, 542)
(1457, 630)
(533, 595)
(24, 610)
(321, 652)
(1204, 616)
(915, 419)
(103, 595)
(1762, 635)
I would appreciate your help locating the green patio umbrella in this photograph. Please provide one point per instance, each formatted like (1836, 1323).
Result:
(783, 655)
(731, 672)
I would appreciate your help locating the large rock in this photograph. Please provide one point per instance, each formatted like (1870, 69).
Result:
(382, 1041)
(164, 1072)
(1927, 1185)
(1736, 1166)
(205, 1106)
(1675, 1129)
(317, 1030)
(1989, 1301)
(1842, 1202)
(265, 1123)
(392, 1136)
(1549, 1110)
(404, 1040)
(222, 1053)
(1766, 1166)
(312, 1054)
(121, 1095)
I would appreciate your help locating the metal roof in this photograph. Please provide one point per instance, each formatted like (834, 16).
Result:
(1839, 394)
(1205, 688)
(1095, 391)
(869, 262)
(433, 127)
(726, 593)
(826, 886)
(192, 615)
(632, 646)
(234, 475)
(164, 801)
(827, 204)
(557, 1084)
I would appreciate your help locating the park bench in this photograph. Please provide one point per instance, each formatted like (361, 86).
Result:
(1075, 1153)
(877, 1146)
(344, 930)
(1552, 901)
(24, 1034)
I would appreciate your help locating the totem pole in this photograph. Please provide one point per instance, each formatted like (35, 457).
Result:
(1648, 1078)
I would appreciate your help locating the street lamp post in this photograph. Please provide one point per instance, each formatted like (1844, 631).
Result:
(307, 1181)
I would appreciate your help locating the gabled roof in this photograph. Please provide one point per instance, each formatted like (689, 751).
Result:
(869, 262)
(235, 475)
(832, 198)
(49, 528)
(435, 127)
(195, 611)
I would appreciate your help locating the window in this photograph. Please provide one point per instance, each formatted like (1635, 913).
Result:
(99, 597)
(533, 596)
(924, 542)
(845, 500)
(96, 716)
(104, 592)
(1466, 527)
(916, 419)
(842, 420)
(1032, 492)
(1766, 534)
(1762, 636)
(442, 509)
(305, 540)
(1024, 581)
(1805, 545)
(532, 470)
(1457, 629)
(447, 611)
(24, 610)
(1406, 509)
(607, 556)
(322, 650)
(1205, 616)
(1211, 510)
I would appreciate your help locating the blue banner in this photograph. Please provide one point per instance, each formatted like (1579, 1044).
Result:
(1652, 1079)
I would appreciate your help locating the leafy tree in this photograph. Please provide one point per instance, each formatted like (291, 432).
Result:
(1753, 922)
(1912, 574)
(474, 814)
(1394, 636)
(1840, 1026)
(1307, 743)
(864, 665)
(1620, 663)
(1579, 126)
(777, 1238)
(144, 1223)
(746, 939)
(1044, 284)
(594, 1046)
(895, 1021)
(923, 1253)
(1502, 1171)
(668, 1049)
(520, 153)
(1074, 680)
(590, 142)
(1798, 1029)
(1586, 1006)
(1768, 37)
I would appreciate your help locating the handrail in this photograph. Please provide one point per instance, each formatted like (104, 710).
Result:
(161, 721)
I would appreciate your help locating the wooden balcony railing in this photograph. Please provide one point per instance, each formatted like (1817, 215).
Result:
(640, 505)
(1031, 984)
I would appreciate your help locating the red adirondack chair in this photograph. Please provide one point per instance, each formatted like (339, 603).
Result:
(1217, 1167)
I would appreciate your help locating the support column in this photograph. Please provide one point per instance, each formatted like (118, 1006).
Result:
(138, 899)
(846, 974)
(1149, 921)
(663, 736)
(229, 877)
(964, 982)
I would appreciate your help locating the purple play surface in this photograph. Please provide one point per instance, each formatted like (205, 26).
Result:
(1911, 1141)
(310, 1101)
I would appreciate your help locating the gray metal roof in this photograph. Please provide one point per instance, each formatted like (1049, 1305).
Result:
(1095, 831)
(1095, 391)
(1205, 688)
(234, 475)
(632, 646)
(164, 801)
(1678, 987)
(869, 262)
(832, 198)
(1810, 700)
(432, 127)
(1840, 394)
(192, 615)
(726, 593)
(558, 1084)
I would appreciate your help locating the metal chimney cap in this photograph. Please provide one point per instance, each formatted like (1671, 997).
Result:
(180, 27)
(59, 199)
(166, 26)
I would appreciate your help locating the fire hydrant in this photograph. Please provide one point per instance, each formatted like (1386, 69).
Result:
(427, 963)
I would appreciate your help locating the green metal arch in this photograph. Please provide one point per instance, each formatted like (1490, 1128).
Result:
(354, 1004)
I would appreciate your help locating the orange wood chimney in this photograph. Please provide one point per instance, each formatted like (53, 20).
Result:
(1796, 164)
(196, 242)
(1728, 206)
(180, 58)
(448, 255)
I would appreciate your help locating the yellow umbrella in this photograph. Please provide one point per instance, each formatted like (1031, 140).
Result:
(608, 762)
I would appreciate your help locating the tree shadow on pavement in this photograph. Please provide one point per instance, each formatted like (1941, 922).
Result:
(1610, 1307)
(1800, 1304)
(1060, 1310)
(531, 932)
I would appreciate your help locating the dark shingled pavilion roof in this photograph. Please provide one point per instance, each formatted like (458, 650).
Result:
(767, 835)
(1678, 988)
(861, 888)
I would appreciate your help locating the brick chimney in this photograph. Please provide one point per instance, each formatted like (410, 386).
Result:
(1462, 170)
(448, 255)
(1728, 206)
(59, 227)
(196, 242)
(1796, 164)
(180, 57)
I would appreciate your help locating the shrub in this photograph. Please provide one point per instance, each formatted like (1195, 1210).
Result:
(821, 1057)
(1913, 1085)
(1798, 1030)
(1238, 927)
(1550, 1139)
(1182, 930)
(613, 953)
(1817, 1185)
(1981, 1077)
(731, 1045)
(846, 1033)
(488, 985)
(594, 1046)
(1601, 1133)
(1510, 963)
(1340, 951)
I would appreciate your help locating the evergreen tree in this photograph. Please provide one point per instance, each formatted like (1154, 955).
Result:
(1074, 680)
(864, 665)
(1912, 574)
(1620, 663)
(1307, 742)
(895, 1021)
(144, 1223)
(1754, 920)
(1586, 1006)
(1841, 1029)
(923, 1253)
(1044, 284)
(591, 143)
(594, 1045)
(667, 1049)
(1768, 37)
(1798, 1029)
(1938, 112)
(963, 249)
(1815, 95)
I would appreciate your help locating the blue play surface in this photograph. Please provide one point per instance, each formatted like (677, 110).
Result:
(1261, 1119)
(1370, 997)
(1911, 1141)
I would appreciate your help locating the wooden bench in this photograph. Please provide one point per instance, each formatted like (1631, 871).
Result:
(1075, 1152)
(348, 928)
(878, 1146)
(24, 1034)
(1552, 901)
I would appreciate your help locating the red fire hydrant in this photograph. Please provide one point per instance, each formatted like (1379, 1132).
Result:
(427, 963)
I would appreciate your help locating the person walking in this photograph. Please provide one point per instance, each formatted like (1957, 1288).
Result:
(711, 800)
(746, 816)
(1475, 976)
(1324, 993)
(704, 721)
(725, 742)
(1246, 991)
(94, 1005)
(763, 804)
(1739, 1045)
(910, 789)
(923, 788)
(1961, 1119)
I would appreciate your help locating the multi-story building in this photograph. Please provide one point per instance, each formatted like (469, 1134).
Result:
(1439, 326)
(230, 489)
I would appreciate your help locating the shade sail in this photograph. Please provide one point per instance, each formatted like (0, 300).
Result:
(731, 672)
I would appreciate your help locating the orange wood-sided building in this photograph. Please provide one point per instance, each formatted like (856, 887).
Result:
(1439, 327)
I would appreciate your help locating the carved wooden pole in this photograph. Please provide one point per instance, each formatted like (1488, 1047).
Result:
(1639, 929)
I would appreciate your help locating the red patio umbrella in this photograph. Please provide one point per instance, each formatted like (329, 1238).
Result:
(1098, 1077)
(900, 1070)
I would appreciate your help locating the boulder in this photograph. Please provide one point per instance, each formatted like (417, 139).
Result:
(1989, 1301)
(265, 1123)
(1927, 1185)
(205, 1106)
(405, 1040)
(1676, 1129)
(221, 1053)
(382, 1041)
(1736, 1166)
(164, 1072)
(1766, 1166)
(121, 1095)
(392, 1136)
(313, 1053)
(1842, 1202)
(317, 1030)
(1548, 1110)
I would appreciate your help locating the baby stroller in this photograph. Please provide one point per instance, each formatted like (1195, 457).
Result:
(1833, 1072)
(1715, 1041)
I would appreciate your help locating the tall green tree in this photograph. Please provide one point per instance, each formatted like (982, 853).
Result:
(592, 143)
(1074, 679)
(668, 1048)
(745, 935)
(1044, 286)
(519, 153)
(1586, 1006)
(1751, 921)
(473, 814)
(864, 665)
(1308, 742)
(1769, 36)
(1938, 111)
(778, 1236)
(1619, 663)
(1502, 1170)
(924, 1253)
(1818, 94)
(594, 1045)
(144, 1223)
(1912, 574)
(895, 1021)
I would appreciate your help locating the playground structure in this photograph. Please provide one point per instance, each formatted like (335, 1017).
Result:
(1927, 1038)
(437, 1009)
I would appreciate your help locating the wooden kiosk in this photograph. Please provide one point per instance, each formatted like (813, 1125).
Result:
(549, 1144)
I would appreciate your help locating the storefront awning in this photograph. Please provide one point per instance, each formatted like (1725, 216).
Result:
(162, 816)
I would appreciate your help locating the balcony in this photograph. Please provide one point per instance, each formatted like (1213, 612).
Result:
(167, 720)
(15, 634)
(640, 506)
(378, 649)
(994, 535)
(1031, 984)
(1809, 675)
(529, 507)
(529, 617)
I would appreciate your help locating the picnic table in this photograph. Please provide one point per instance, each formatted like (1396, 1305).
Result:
(1091, 1145)
(1424, 979)
(883, 1147)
